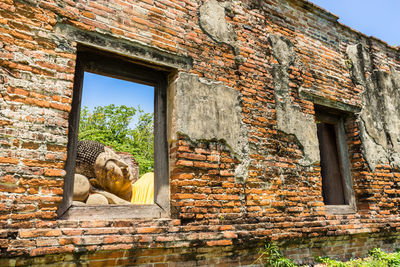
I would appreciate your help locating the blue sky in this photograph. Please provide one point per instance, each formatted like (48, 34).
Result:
(100, 90)
(379, 18)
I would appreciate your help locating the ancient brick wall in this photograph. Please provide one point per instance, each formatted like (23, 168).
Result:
(240, 174)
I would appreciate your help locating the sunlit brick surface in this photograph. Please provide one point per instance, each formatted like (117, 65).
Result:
(216, 218)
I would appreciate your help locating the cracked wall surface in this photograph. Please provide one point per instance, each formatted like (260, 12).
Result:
(207, 110)
(289, 117)
(380, 116)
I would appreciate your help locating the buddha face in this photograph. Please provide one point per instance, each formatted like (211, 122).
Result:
(113, 175)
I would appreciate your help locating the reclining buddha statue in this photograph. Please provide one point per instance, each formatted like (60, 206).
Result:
(110, 175)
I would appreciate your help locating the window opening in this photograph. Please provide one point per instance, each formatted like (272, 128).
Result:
(115, 150)
(332, 180)
(108, 66)
(337, 185)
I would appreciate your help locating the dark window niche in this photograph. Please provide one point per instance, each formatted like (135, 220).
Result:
(116, 66)
(337, 186)
(332, 179)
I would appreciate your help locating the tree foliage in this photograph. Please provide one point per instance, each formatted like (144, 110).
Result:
(111, 125)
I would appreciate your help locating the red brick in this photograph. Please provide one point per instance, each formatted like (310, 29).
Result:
(21, 243)
(92, 240)
(39, 233)
(191, 156)
(9, 160)
(149, 230)
(54, 172)
(47, 242)
(219, 243)
(52, 250)
(94, 224)
(184, 163)
(70, 240)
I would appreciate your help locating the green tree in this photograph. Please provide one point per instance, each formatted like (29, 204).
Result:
(110, 125)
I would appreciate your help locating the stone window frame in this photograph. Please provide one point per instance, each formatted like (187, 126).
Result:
(337, 120)
(113, 65)
(344, 111)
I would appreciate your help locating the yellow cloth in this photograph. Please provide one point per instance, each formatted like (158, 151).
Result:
(143, 190)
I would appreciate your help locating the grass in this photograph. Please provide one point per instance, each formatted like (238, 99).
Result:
(376, 258)
(272, 257)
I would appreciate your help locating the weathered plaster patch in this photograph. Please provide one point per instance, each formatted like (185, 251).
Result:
(213, 22)
(373, 152)
(380, 116)
(206, 110)
(289, 117)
